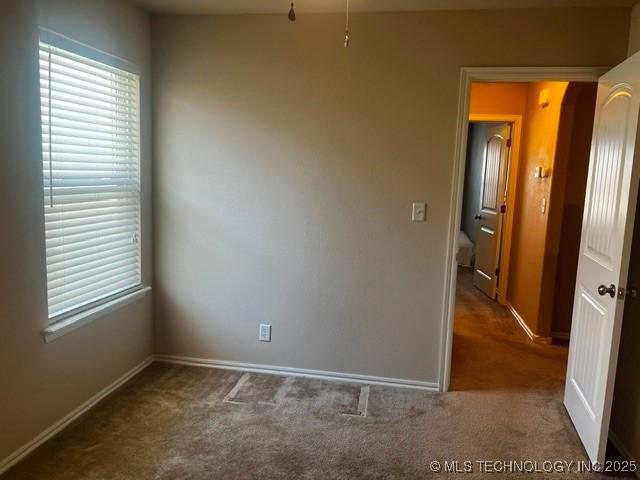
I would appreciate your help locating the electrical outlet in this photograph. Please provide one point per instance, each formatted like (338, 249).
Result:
(265, 333)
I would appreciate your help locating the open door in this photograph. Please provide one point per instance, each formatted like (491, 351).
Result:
(607, 228)
(496, 156)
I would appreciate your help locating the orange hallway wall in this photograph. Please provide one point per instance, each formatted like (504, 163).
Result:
(538, 148)
(498, 98)
(566, 205)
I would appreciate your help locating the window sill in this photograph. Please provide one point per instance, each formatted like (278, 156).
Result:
(70, 324)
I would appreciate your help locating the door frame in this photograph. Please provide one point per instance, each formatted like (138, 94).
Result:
(513, 162)
(467, 76)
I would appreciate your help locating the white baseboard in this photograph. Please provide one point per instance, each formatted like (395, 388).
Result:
(299, 372)
(27, 448)
(624, 451)
(535, 338)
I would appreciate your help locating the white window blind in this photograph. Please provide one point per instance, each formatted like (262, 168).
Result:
(91, 171)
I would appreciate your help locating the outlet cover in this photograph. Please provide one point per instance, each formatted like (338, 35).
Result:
(265, 333)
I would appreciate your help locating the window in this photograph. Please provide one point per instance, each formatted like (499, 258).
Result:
(91, 171)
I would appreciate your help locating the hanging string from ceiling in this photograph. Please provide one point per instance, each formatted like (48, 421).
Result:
(346, 27)
(292, 17)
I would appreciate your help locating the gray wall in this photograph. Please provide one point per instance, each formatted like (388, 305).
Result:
(473, 180)
(41, 383)
(286, 167)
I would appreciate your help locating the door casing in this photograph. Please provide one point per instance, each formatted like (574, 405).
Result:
(512, 176)
(467, 76)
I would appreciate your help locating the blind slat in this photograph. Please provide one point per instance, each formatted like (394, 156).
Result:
(87, 240)
(62, 117)
(78, 225)
(101, 226)
(113, 106)
(94, 296)
(84, 137)
(86, 218)
(81, 283)
(77, 210)
(88, 287)
(91, 179)
(88, 89)
(82, 130)
(62, 106)
(68, 279)
(87, 265)
(91, 159)
(83, 70)
(78, 201)
(58, 261)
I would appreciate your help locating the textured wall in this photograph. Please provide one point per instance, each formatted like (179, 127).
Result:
(538, 148)
(566, 204)
(41, 383)
(286, 167)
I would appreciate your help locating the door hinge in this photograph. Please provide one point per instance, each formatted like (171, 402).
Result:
(508, 142)
(503, 208)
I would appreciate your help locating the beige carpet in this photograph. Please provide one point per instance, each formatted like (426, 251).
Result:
(177, 422)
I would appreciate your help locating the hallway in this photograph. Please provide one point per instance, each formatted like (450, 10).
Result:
(495, 363)
(491, 352)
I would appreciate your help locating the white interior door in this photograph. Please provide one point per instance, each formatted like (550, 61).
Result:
(489, 216)
(612, 189)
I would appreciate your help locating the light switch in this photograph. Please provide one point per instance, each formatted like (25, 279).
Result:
(419, 212)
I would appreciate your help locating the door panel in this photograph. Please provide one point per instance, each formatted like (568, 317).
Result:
(495, 159)
(608, 219)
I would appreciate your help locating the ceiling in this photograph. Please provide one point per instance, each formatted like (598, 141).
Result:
(321, 6)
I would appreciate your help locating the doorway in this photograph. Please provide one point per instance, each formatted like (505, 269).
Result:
(522, 213)
(511, 231)
(484, 75)
(610, 206)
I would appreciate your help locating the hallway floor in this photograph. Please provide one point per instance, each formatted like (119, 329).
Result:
(178, 422)
(491, 351)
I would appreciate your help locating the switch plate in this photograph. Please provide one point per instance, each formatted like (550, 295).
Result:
(419, 212)
(265, 333)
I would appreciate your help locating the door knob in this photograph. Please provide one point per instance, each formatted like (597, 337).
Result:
(611, 290)
(478, 217)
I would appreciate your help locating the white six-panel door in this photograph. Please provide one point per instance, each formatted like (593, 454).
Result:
(609, 213)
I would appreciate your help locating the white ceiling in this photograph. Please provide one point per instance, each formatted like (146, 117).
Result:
(321, 6)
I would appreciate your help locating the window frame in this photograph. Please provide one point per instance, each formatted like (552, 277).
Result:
(70, 319)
